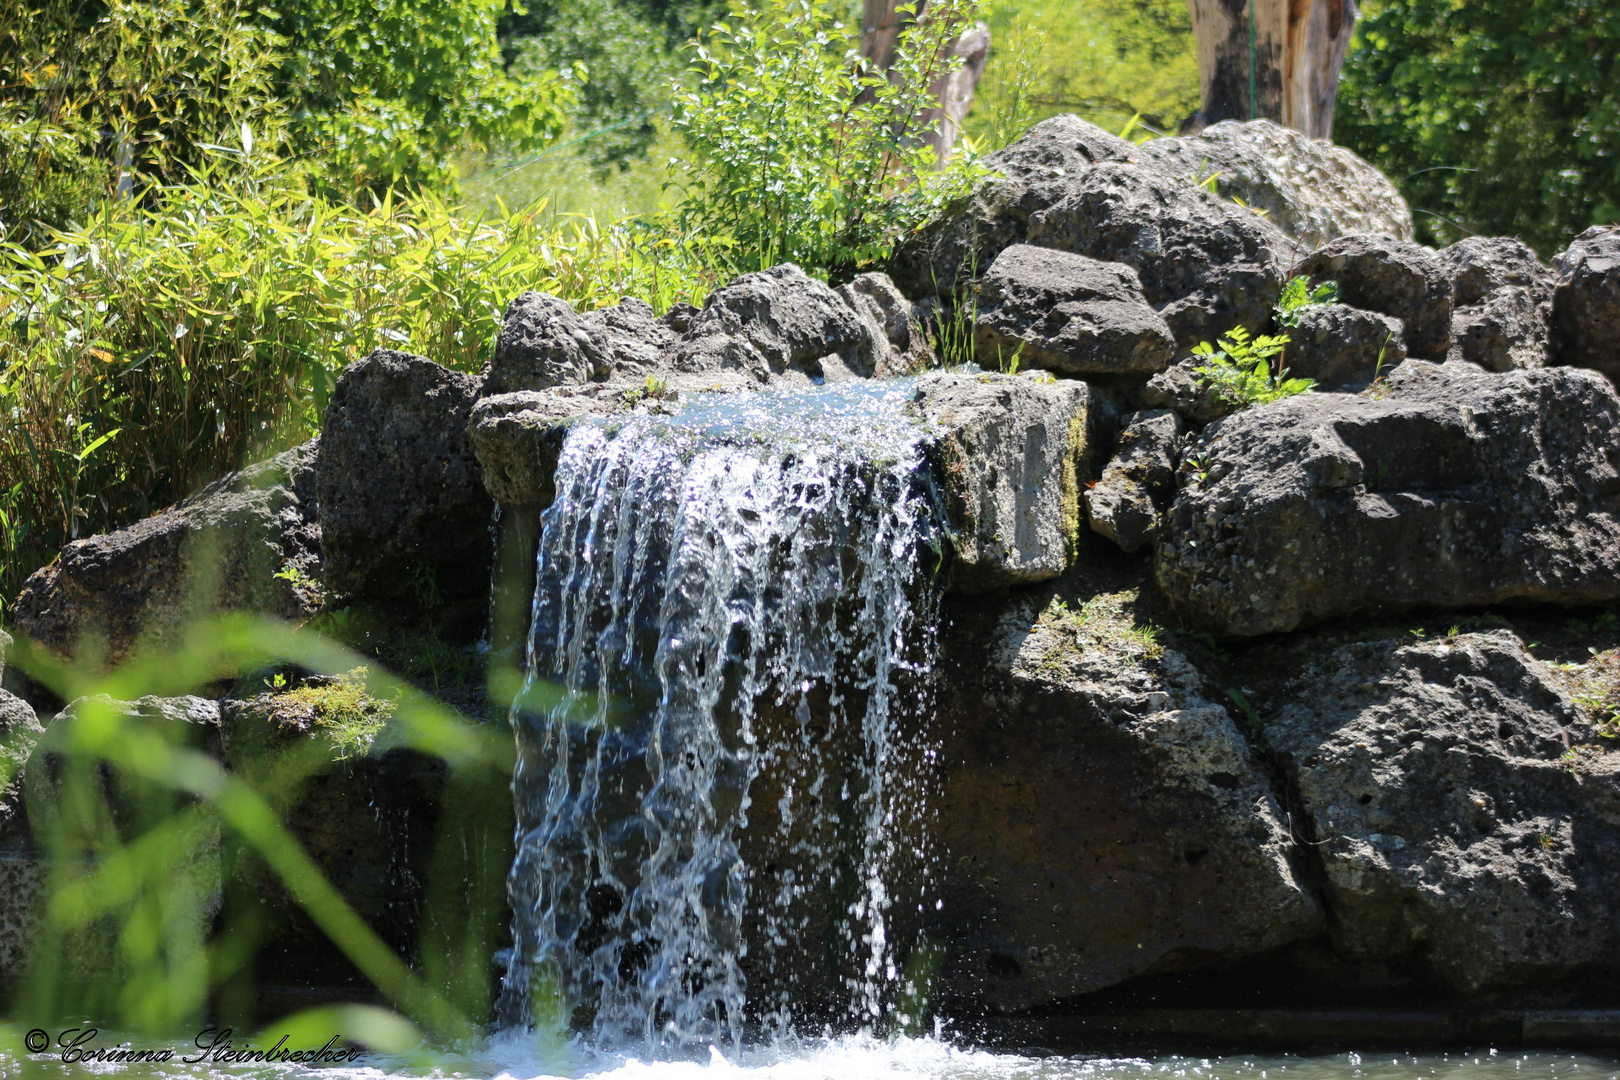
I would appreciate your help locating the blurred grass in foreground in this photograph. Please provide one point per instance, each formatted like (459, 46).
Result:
(137, 822)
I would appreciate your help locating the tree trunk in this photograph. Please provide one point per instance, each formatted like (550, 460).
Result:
(880, 37)
(1277, 59)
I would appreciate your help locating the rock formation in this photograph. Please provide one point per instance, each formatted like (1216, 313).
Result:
(1176, 730)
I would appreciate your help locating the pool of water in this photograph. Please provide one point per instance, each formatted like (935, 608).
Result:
(858, 1058)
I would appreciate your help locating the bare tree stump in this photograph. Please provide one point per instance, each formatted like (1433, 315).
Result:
(1287, 52)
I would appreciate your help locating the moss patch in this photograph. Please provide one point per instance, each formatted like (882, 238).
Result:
(1106, 622)
(341, 708)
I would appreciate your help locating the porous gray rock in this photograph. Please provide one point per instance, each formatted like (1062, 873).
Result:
(1013, 453)
(1394, 277)
(1065, 312)
(1448, 487)
(1454, 833)
(1098, 816)
(1480, 265)
(1179, 388)
(187, 721)
(1503, 303)
(1586, 302)
(1341, 346)
(1311, 189)
(370, 823)
(218, 549)
(1126, 503)
(544, 342)
(518, 436)
(400, 489)
(1031, 174)
(1206, 264)
(880, 303)
(20, 729)
(782, 325)
(1507, 331)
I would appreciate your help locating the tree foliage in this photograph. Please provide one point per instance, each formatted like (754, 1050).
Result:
(801, 151)
(101, 97)
(1494, 117)
(1107, 60)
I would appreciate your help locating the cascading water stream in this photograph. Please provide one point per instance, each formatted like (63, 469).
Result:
(721, 800)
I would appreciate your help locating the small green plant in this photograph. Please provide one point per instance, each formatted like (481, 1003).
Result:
(1240, 372)
(1251, 715)
(1107, 621)
(655, 390)
(291, 574)
(342, 707)
(1298, 296)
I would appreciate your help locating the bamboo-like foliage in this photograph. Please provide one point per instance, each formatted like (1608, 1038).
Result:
(155, 348)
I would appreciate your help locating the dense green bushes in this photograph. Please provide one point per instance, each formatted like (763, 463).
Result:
(1494, 117)
(156, 347)
(803, 152)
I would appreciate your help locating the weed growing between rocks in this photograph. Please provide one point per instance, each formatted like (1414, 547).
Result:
(1246, 370)
(1109, 622)
(342, 708)
(1240, 371)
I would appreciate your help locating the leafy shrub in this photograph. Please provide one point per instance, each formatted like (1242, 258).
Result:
(155, 348)
(1298, 296)
(364, 94)
(95, 98)
(801, 151)
(385, 91)
(1240, 373)
(1494, 117)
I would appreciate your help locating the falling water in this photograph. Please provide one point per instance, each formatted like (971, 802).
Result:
(720, 804)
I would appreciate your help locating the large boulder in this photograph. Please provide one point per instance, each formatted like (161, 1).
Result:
(1098, 816)
(1030, 175)
(1394, 277)
(403, 510)
(1481, 265)
(1127, 501)
(1341, 346)
(1311, 189)
(781, 324)
(1065, 312)
(544, 342)
(219, 549)
(1446, 487)
(1014, 453)
(187, 721)
(1206, 264)
(1503, 303)
(518, 436)
(1456, 831)
(20, 729)
(1586, 302)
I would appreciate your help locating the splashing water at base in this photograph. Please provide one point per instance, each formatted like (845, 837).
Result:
(512, 1057)
(721, 805)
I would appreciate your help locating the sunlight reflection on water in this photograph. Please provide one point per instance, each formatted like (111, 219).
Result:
(860, 1058)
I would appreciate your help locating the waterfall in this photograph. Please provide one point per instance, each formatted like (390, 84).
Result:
(720, 800)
